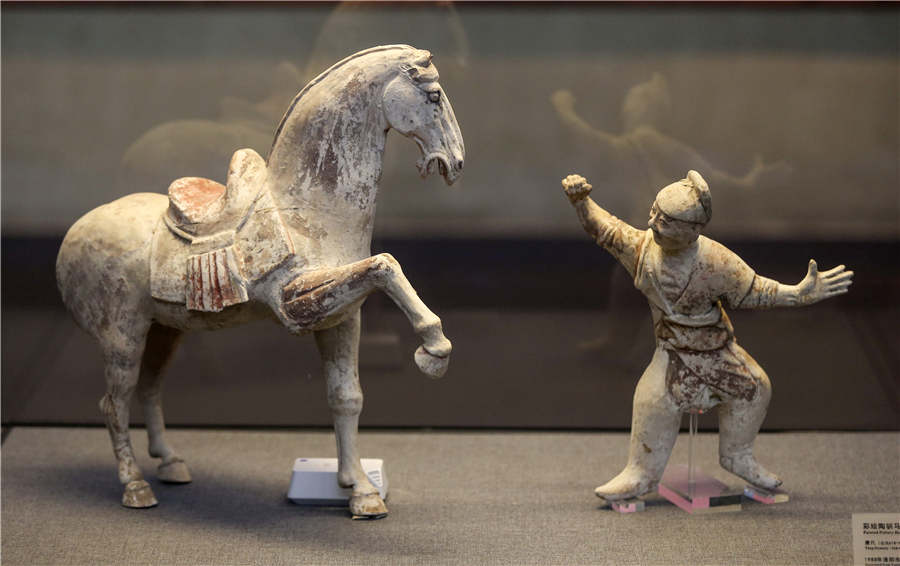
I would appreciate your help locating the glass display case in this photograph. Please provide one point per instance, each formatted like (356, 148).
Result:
(790, 112)
(793, 124)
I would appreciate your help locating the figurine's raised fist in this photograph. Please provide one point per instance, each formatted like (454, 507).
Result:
(563, 100)
(576, 187)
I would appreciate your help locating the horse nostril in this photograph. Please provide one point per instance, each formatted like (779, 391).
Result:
(460, 165)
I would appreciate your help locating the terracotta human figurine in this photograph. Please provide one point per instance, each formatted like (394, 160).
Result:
(688, 279)
(286, 239)
(644, 156)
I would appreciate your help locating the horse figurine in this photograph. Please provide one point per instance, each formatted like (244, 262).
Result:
(288, 238)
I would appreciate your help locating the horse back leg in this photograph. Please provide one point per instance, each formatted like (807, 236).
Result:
(122, 358)
(161, 344)
(320, 294)
(339, 349)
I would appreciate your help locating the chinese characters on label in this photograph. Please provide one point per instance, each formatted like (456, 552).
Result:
(876, 539)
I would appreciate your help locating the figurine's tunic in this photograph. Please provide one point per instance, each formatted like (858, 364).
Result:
(686, 292)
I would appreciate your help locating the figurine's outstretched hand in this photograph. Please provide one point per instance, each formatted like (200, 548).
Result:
(817, 286)
(577, 188)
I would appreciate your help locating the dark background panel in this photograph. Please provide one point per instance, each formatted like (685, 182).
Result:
(547, 334)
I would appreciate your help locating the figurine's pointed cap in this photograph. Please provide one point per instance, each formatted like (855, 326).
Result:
(688, 200)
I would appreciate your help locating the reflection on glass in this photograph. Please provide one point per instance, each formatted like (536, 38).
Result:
(647, 155)
(203, 147)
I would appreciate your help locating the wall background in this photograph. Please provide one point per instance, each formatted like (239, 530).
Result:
(102, 100)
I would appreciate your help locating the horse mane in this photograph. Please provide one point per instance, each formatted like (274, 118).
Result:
(322, 76)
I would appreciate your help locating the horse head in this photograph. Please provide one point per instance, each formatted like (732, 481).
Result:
(415, 106)
(327, 157)
(332, 136)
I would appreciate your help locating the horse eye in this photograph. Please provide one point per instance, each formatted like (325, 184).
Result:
(434, 96)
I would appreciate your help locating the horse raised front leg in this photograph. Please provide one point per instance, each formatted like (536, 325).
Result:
(319, 295)
(339, 348)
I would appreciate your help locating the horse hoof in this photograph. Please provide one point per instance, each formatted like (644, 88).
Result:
(138, 495)
(175, 471)
(369, 506)
(431, 365)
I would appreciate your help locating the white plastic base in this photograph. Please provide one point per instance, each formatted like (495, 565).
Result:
(314, 481)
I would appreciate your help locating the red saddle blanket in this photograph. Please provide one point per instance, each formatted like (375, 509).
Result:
(194, 199)
(214, 240)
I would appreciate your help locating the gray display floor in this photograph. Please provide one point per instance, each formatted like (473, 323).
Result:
(456, 498)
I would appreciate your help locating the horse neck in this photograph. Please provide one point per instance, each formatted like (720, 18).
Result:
(323, 173)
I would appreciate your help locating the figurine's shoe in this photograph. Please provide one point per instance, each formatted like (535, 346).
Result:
(367, 506)
(138, 495)
(744, 465)
(626, 485)
(174, 471)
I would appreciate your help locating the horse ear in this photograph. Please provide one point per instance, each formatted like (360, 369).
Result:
(423, 59)
(411, 69)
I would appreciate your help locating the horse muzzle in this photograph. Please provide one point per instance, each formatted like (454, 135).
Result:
(438, 162)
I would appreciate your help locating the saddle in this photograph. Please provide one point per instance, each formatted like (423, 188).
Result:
(214, 239)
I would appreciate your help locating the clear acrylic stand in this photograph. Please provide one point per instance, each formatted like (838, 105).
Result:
(694, 491)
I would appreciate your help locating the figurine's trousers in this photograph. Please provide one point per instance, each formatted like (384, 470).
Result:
(656, 418)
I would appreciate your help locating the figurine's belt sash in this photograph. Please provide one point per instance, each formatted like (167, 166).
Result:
(695, 337)
(694, 377)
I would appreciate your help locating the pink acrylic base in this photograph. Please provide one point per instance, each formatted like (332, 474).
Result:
(627, 506)
(767, 496)
(706, 495)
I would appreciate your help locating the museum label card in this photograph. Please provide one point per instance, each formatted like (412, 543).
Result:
(876, 539)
